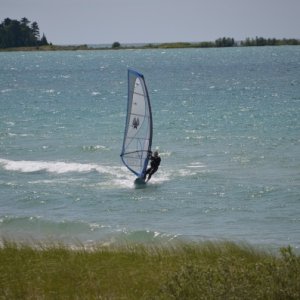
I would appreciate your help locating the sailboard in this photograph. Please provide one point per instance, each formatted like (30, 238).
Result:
(137, 140)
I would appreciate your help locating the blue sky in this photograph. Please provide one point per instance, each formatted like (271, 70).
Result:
(150, 21)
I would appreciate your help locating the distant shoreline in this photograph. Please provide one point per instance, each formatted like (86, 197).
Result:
(177, 45)
(24, 35)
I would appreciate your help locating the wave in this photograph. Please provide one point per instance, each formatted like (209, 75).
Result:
(58, 167)
(95, 148)
(114, 176)
(140, 237)
(27, 228)
(71, 232)
(37, 222)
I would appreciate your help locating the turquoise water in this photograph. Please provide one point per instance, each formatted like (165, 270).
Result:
(226, 123)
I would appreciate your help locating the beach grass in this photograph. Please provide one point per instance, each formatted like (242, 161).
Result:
(221, 270)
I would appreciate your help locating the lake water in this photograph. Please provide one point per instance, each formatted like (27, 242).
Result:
(226, 124)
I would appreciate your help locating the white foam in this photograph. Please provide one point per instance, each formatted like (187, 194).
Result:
(95, 148)
(52, 167)
(123, 182)
(50, 91)
(20, 134)
(6, 90)
(192, 169)
(118, 176)
(56, 167)
(196, 165)
(10, 123)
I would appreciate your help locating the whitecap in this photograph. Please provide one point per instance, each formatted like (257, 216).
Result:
(10, 123)
(185, 172)
(196, 165)
(93, 148)
(6, 90)
(119, 183)
(96, 226)
(51, 167)
(116, 176)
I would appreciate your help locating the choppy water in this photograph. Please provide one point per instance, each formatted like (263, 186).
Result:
(226, 122)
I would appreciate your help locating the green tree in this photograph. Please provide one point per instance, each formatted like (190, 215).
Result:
(43, 41)
(225, 42)
(27, 38)
(116, 45)
(7, 21)
(35, 30)
(14, 33)
(25, 21)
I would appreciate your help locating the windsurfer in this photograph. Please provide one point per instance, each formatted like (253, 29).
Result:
(155, 162)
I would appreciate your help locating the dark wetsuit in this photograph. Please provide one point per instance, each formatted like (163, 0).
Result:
(155, 162)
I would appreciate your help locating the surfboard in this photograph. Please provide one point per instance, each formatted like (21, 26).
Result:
(140, 181)
(138, 131)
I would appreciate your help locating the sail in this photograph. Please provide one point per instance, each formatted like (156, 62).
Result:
(138, 127)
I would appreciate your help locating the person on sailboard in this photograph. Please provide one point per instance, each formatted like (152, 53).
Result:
(155, 162)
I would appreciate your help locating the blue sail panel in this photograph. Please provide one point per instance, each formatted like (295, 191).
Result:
(138, 127)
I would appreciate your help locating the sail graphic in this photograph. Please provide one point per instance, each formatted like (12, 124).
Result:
(138, 127)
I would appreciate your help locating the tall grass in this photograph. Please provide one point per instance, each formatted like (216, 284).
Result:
(186, 271)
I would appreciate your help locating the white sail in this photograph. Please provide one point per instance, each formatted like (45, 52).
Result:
(138, 127)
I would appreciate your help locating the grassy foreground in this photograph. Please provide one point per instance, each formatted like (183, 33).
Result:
(186, 271)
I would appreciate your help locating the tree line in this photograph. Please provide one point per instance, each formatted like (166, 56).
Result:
(23, 33)
(228, 42)
(258, 41)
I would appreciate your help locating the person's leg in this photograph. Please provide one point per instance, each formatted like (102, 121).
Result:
(152, 171)
(147, 172)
